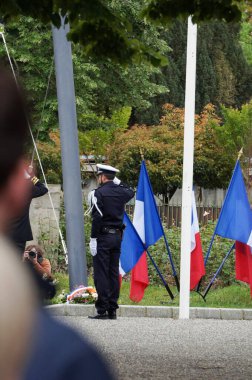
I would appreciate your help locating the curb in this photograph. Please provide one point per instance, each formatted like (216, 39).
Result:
(66, 310)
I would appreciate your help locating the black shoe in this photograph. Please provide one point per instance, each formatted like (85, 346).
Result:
(112, 314)
(99, 316)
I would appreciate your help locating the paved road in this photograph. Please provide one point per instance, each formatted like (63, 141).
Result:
(149, 348)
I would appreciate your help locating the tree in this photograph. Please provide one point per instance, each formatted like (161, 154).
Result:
(236, 132)
(224, 77)
(104, 32)
(246, 31)
(100, 29)
(162, 146)
(164, 11)
(26, 40)
(101, 87)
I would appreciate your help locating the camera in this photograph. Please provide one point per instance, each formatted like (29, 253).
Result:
(32, 254)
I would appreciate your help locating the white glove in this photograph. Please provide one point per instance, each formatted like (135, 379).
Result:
(26, 175)
(116, 181)
(93, 246)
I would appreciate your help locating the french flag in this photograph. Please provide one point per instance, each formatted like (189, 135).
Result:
(147, 223)
(235, 220)
(132, 247)
(197, 261)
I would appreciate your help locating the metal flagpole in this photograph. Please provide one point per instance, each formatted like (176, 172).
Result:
(70, 156)
(206, 258)
(217, 272)
(184, 299)
(160, 275)
(171, 261)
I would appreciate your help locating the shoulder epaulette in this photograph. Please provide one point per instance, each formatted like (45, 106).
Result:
(34, 180)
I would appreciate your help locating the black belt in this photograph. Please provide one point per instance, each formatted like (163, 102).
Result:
(111, 230)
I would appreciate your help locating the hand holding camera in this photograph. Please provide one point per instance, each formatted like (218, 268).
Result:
(31, 256)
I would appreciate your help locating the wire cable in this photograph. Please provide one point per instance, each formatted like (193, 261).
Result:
(38, 156)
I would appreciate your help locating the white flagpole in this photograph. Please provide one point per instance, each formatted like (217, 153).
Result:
(184, 300)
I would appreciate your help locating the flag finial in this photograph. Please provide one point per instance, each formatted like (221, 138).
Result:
(240, 153)
(141, 154)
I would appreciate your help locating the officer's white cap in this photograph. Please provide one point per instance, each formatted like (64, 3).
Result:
(103, 169)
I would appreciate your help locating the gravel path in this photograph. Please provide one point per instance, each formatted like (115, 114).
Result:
(159, 348)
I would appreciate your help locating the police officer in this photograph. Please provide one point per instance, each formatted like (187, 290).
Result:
(108, 204)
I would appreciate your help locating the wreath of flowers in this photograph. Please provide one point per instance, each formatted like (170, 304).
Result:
(83, 294)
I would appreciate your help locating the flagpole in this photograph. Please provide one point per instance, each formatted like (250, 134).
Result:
(171, 261)
(184, 299)
(217, 272)
(160, 275)
(206, 258)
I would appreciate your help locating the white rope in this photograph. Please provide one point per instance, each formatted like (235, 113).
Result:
(39, 160)
(43, 108)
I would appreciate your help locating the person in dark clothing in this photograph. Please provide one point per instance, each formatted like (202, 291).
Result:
(108, 204)
(58, 353)
(33, 344)
(20, 229)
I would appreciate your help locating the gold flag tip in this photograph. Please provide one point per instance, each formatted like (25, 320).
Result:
(240, 153)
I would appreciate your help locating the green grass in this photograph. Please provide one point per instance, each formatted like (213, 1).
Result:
(233, 296)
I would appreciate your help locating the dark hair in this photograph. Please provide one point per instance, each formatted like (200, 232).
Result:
(37, 247)
(14, 125)
(109, 176)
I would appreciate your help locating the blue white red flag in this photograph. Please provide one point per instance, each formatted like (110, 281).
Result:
(147, 223)
(197, 261)
(235, 220)
(146, 217)
(132, 247)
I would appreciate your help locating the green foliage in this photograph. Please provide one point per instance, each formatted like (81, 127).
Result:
(236, 131)
(94, 141)
(246, 40)
(223, 75)
(246, 32)
(103, 30)
(162, 146)
(219, 250)
(95, 24)
(50, 156)
(102, 87)
(26, 40)
(101, 133)
(119, 119)
(201, 10)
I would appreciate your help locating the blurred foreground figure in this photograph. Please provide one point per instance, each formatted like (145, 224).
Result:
(17, 315)
(17, 295)
(33, 345)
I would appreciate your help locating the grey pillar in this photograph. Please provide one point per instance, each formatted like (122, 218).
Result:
(70, 157)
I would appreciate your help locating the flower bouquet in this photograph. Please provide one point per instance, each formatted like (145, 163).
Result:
(83, 294)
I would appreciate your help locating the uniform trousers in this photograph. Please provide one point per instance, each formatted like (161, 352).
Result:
(106, 272)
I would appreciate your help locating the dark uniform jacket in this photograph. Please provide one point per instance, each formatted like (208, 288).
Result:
(59, 353)
(20, 229)
(111, 200)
